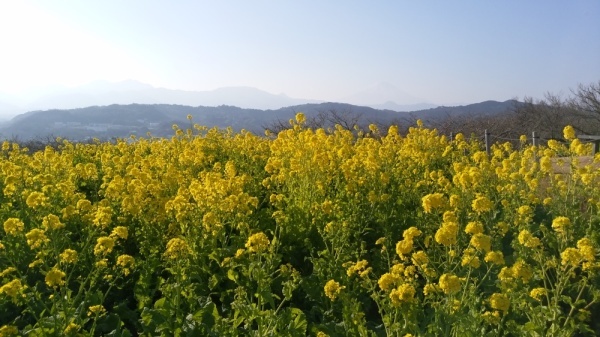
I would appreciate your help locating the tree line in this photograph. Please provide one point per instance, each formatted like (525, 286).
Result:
(546, 117)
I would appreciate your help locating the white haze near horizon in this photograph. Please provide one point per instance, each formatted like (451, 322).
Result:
(408, 52)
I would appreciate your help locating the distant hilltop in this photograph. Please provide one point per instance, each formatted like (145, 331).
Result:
(116, 120)
(102, 93)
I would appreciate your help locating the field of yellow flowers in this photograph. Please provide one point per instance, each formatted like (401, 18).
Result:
(307, 232)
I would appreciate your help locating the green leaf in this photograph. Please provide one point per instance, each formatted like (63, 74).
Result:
(207, 315)
(109, 322)
(232, 275)
(213, 282)
(298, 323)
(153, 320)
(160, 303)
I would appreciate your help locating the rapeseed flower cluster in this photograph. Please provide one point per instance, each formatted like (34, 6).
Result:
(257, 242)
(481, 204)
(248, 219)
(433, 201)
(176, 249)
(499, 302)
(404, 293)
(561, 224)
(13, 226)
(528, 240)
(333, 289)
(449, 283)
(12, 289)
(55, 277)
(359, 268)
(36, 237)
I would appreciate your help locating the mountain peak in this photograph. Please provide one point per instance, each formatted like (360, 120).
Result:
(381, 92)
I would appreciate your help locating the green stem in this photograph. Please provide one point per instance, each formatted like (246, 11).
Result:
(576, 299)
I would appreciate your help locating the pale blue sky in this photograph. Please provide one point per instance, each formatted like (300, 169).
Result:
(443, 52)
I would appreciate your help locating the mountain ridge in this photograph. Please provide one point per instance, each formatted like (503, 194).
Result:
(118, 120)
(100, 93)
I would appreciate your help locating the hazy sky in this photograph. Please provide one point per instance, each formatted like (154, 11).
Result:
(443, 52)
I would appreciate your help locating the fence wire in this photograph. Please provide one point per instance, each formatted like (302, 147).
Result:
(532, 139)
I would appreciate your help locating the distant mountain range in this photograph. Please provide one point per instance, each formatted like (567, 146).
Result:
(99, 93)
(102, 93)
(380, 96)
(119, 120)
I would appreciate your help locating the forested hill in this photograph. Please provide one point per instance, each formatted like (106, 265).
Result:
(111, 121)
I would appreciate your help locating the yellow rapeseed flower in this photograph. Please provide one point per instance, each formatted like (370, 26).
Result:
(360, 268)
(84, 205)
(499, 302)
(454, 200)
(546, 164)
(405, 293)
(449, 283)
(8, 330)
(120, 232)
(525, 211)
(68, 256)
(398, 269)
(474, 227)
(569, 132)
(430, 288)
(495, 257)
(470, 259)
(491, 317)
(7, 271)
(571, 257)
(52, 222)
(404, 247)
(257, 243)
(300, 118)
(126, 262)
(13, 226)
(333, 289)
(102, 263)
(104, 245)
(36, 199)
(446, 234)
(481, 242)
(103, 216)
(587, 250)
(481, 204)
(432, 201)
(560, 224)
(388, 281)
(538, 293)
(450, 216)
(177, 248)
(521, 270)
(502, 227)
(55, 277)
(381, 241)
(35, 238)
(420, 258)
(528, 240)
(12, 288)
(96, 310)
(411, 232)
(239, 252)
(71, 328)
